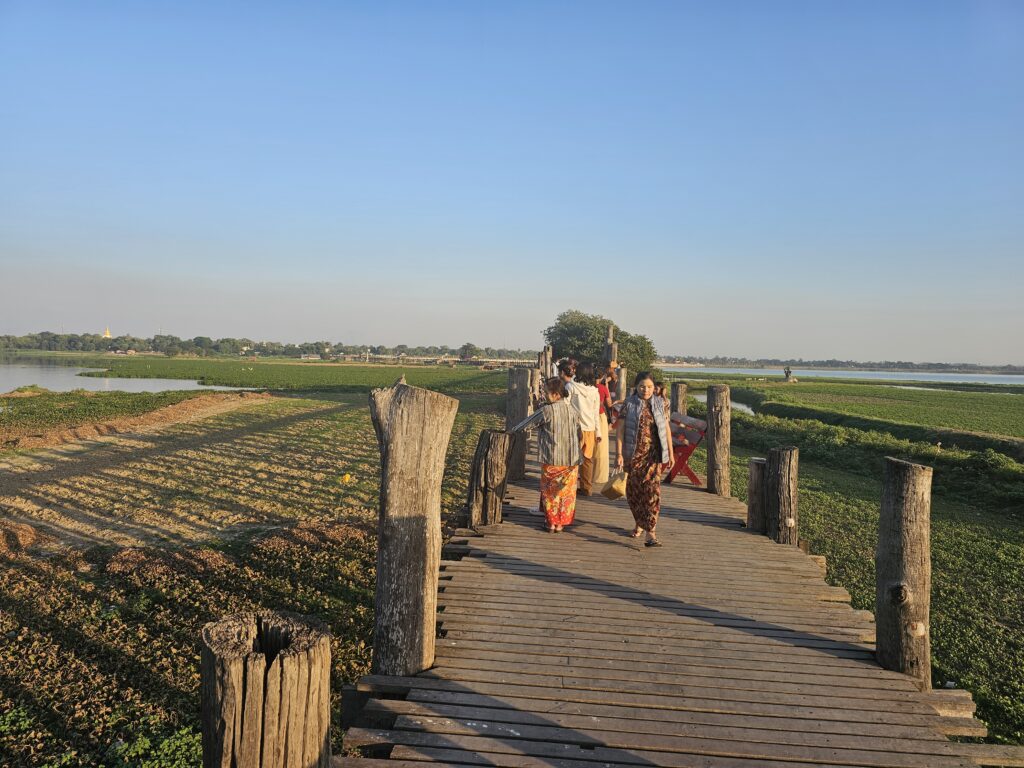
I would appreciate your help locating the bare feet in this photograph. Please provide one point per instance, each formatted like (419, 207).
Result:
(637, 533)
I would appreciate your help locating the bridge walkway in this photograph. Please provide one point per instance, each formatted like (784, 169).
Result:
(720, 649)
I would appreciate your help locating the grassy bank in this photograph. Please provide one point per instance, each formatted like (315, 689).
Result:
(973, 420)
(31, 409)
(977, 544)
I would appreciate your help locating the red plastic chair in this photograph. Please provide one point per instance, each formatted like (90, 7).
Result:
(687, 434)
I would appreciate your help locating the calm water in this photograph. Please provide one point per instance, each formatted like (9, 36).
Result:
(808, 373)
(702, 397)
(60, 378)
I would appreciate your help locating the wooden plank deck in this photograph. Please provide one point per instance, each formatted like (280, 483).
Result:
(720, 649)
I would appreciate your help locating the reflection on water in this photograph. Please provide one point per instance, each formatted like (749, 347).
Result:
(735, 406)
(61, 378)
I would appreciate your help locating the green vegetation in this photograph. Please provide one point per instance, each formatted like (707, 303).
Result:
(274, 506)
(577, 334)
(271, 506)
(977, 543)
(966, 419)
(30, 409)
(292, 376)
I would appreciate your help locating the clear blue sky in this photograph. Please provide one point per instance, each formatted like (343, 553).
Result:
(811, 179)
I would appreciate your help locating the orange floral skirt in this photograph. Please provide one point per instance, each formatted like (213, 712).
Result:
(558, 493)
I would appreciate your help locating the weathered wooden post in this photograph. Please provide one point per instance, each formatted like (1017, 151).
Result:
(781, 475)
(488, 478)
(756, 520)
(266, 692)
(413, 428)
(903, 572)
(611, 347)
(718, 437)
(679, 397)
(518, 405)
(622, 387)
(549, 360)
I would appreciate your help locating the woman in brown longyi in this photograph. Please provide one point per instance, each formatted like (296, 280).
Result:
(645, 449)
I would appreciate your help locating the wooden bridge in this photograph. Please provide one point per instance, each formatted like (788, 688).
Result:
(721, 649)
(724, 648)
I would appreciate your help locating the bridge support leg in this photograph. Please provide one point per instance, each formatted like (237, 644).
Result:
(756, 521)
(413, 428)
(518, 405)
(679, 397)
(781, 476)
(903, 572)
(718, 439)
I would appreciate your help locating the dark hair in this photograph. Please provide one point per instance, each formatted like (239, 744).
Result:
(641, 376)
(567, 366)
(555, 386)
(585, 374)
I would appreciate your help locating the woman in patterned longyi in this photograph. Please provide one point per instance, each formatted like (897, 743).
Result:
(559, 449)
(645, 449)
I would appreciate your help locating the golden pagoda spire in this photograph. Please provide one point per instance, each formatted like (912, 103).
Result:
(106, 333)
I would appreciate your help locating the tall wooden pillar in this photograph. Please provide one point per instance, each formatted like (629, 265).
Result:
(679, 397)
(718, 439)
(413, 427)
(903, 572)
(518, 405)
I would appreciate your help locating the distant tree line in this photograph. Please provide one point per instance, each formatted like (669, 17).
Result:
(897, 365)
(206, 346)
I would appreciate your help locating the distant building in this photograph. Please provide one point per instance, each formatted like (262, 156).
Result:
(106, 333)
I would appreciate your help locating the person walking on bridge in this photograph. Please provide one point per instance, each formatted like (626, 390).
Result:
(586, 399)
(559, 442)
(645, 448)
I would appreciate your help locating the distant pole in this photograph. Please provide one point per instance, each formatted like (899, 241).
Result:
(622, 388)
(718, 436)
(518, 405)
(781, 495)
(679, 397)
(413, 427)
(755, 496)
(903, 572)
(611, 348)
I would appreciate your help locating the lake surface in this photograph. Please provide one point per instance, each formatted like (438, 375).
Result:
(703, 398)
(61, 378)
(810, 373)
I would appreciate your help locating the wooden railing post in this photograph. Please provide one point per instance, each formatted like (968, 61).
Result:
(679, 397)
(518, 405)
(413, 428)
(903, 571)
(266, 691)
(781, 495)
(756, 520)
(488, 478)
(622, 387)
(718, 438)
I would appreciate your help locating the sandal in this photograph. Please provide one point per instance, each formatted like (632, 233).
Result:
(653, 543)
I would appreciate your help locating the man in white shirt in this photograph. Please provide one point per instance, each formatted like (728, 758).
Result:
(584, 397)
